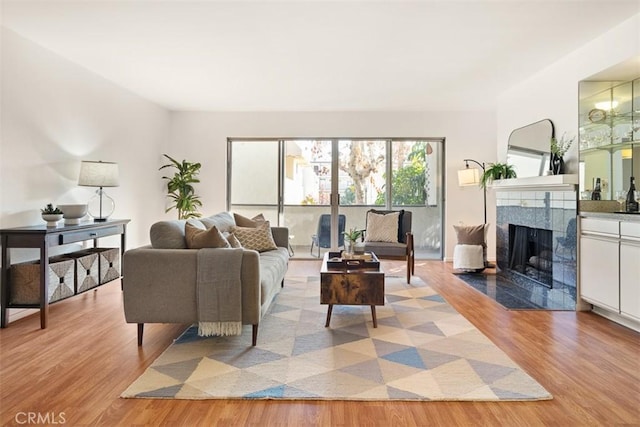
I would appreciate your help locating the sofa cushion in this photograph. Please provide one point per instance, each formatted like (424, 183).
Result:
(197, 238)
(273, 266)
(168, 235)
(243, 221)
(258, 239)
(382, 227)
(223, 221)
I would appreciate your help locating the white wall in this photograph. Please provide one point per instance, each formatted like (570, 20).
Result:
(203, 137)
(55, 114)
(553, 92)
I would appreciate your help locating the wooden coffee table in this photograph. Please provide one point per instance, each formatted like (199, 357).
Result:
(354, 282)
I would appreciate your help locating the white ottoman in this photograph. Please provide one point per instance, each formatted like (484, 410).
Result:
(468, 257)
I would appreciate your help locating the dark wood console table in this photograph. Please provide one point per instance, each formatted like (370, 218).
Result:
(43, 238)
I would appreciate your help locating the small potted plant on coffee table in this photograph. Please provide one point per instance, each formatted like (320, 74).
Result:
(350, 238)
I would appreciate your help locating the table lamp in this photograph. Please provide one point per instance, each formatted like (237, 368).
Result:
(99, 174)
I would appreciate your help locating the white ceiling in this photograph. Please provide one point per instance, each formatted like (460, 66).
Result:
(315, 55)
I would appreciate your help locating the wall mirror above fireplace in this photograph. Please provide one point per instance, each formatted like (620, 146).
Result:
(528, 148)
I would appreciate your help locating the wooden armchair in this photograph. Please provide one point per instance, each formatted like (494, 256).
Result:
(402, 248)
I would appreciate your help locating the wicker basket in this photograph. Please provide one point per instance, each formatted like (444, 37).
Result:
(86, 271)
(109, 263)
(24, 285)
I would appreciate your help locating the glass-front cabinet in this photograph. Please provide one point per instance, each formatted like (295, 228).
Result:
(609, 136)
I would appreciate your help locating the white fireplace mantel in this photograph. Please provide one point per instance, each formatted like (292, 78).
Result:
(565, 182)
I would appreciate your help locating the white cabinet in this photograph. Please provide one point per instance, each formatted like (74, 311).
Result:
(609, 268)
(599, 271)
(630, 270)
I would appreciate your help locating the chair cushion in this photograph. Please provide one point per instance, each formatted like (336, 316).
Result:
(383, 249)
(197, 238)
(382, 227)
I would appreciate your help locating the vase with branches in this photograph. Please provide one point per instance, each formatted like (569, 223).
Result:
(180, 188)
(558, 149)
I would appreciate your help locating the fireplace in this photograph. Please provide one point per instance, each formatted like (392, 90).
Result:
(532, 248)
(531, 253)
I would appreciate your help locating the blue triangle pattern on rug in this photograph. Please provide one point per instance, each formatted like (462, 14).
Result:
(272, 392)
(409, 357)
(421, 350)
(436, 298)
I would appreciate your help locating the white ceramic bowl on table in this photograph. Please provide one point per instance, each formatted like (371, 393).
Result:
(73, 214)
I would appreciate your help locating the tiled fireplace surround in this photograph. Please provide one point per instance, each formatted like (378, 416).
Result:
(549, 210)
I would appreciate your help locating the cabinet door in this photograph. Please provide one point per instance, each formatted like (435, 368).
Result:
(630, 279)
(599, 271)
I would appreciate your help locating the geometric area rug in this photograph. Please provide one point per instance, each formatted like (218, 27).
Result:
(421, 350)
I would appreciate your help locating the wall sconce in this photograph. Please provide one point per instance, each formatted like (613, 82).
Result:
(627, 153)
(99, 174)
(471, 176)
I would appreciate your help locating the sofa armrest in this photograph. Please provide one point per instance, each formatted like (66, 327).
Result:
(159, 285)
(281, 236)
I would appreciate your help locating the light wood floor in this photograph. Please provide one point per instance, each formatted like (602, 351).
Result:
(76, 369)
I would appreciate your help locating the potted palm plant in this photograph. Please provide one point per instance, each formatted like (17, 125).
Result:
(180, 188)
(495, 171)
(350, 238)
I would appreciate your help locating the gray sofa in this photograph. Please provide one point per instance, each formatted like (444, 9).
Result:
(160, 280)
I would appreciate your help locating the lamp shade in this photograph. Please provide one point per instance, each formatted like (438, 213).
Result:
(98, 174)
(469, 176)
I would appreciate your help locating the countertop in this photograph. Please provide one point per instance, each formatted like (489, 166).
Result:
(611, 215)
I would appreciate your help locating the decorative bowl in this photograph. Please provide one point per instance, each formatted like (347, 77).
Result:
(52, 219)
(72, 214)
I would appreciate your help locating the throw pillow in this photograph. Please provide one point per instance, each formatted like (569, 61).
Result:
(258, 239)
(232, 239)
(382, 227)
(197, 238)
(243, 221)
(402, 236)
(470, 234)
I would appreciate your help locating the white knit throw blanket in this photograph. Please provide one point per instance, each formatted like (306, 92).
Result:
(219, 292)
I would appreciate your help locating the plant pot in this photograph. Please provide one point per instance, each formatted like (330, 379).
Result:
(52, 219)
(349, 246)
